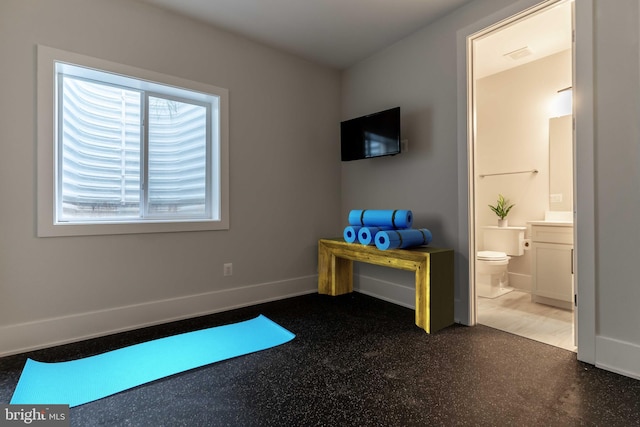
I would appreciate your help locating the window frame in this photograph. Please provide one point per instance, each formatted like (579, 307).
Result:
(47, 156)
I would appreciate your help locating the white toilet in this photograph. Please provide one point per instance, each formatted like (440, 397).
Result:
(492, 263)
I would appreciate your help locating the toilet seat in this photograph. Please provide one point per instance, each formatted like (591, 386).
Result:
(492, 256)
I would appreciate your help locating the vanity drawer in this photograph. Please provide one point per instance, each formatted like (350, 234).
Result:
(552, 234)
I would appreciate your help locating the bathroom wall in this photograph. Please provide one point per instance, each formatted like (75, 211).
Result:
(561, 163)
(513, 111)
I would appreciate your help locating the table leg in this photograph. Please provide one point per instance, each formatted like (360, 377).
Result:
(335, 275)
(423, 303)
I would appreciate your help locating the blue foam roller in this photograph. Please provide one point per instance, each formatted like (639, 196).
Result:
(381, 218)
(366, 234)
(395, 239)
(350, 233)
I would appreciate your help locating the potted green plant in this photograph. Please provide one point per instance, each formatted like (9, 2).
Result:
(502, 209)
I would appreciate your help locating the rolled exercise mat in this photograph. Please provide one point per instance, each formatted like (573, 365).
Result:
(91, 378)
(381, 218)
(394, 239)
(366, 234)
(350, 233)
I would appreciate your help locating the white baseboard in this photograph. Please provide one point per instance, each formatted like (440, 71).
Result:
(519, 281)
(394, 293)
(618, 356)
(387, 291)
(29, 336)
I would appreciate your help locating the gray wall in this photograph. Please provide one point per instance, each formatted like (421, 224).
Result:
(419, 75)
(284, 179)
(617, 163)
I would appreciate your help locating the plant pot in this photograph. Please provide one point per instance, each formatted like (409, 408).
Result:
(503, 222)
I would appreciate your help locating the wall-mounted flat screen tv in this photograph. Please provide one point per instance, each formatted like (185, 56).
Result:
(374, 135)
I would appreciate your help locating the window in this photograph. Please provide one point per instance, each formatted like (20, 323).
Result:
(130, 150)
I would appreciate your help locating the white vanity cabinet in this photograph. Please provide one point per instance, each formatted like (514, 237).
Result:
(552, 263)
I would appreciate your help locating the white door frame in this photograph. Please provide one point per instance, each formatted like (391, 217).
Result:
(584, 206)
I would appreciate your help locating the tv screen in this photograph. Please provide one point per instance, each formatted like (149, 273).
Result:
(374, 135)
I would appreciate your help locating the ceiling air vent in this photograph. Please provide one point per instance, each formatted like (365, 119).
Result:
(519, 53)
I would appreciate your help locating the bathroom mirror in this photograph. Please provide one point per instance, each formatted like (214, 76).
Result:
(561, 164)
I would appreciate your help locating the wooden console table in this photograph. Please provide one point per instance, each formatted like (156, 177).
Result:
(433, 267)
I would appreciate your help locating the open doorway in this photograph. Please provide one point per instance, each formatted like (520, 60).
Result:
(522, 149)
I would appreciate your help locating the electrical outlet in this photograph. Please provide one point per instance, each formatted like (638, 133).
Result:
(555, 198)
(228, 269)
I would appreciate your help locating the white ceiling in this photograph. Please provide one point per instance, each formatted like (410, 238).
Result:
(339, 33)
(543, 34)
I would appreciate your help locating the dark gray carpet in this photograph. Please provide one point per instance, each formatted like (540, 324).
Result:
(358, 361)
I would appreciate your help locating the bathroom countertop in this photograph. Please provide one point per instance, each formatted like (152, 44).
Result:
(552, 223)
(510, 227)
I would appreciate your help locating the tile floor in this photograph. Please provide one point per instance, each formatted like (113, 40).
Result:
(514, 312)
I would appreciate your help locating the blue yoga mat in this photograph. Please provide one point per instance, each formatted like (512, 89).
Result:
(350, 233)
(396, 239)
(366, 234)
(381, 218)
(84, 380)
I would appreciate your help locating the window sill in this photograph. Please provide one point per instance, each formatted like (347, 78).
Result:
(61, 230)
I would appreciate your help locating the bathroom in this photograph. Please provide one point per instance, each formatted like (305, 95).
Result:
(523, 151)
